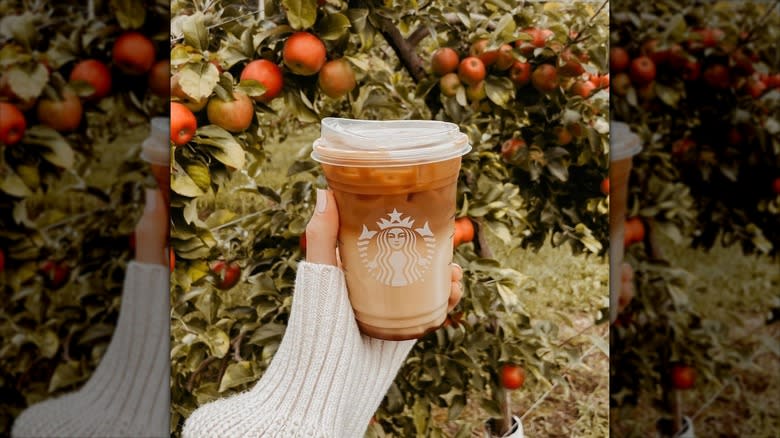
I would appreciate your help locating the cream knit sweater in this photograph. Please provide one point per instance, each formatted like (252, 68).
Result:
(128, 395)
(325, 380)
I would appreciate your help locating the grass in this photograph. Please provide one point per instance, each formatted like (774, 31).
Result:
(561, 287)
(737, 290)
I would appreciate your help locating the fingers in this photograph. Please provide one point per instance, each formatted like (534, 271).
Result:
(457, 272)
(627, 272)
(151, 231)
(456, 288)
(153, 200)
(322, 230)
(626, 294)
(456, 293)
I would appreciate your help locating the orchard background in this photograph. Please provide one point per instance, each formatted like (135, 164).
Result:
(699, 85)
(248, 91)
(71, 184)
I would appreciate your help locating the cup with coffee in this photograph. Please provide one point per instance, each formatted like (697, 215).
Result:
(624, 144)
(395, 185)
(156, 150)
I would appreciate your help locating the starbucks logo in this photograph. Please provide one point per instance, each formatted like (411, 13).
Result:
(396, 254)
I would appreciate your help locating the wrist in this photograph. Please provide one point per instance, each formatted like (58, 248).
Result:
(152, 256)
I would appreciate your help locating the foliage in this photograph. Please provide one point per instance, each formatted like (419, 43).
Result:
(71, 198)
(704, 179)
(222, 341)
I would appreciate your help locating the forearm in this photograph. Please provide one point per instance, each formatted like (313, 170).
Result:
(151, 256)
(325, 375)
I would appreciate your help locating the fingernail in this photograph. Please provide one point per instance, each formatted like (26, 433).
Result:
(322, 201)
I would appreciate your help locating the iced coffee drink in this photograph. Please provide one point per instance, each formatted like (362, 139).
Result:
(156, 150)
(395, 185)
(624, 144)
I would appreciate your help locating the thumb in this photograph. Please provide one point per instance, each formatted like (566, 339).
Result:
(322, 230)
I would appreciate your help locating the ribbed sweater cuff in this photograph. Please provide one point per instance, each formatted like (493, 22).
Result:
(325, 374)
(325, 380)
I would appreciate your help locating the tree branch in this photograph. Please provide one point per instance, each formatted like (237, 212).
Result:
(760, 22)
(580, 38)
(423, 31)
(481, 246)
(196, 373)
(405, 52)
(418, 35)
(652, 248)
(413, 64)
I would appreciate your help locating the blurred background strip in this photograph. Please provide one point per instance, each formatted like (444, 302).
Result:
(696, 352)
(79, 83)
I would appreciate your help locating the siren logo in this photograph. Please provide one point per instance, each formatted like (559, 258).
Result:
(392, 254)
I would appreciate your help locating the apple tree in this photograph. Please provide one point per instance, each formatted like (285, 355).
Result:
(700, 87)
(75, 109)
(528, 84)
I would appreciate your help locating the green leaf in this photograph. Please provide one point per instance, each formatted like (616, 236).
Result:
(198, 80)
(301, 166)
(81, 88)
(28, 84)
(301, 14)
(558, 169)
(130, 14)
(631, 97)
(199, 174)
(195, 33)
(13, 185)
(251, 88)
(47, 342)
(359, 19)
(499, 90)
(190, 211)
(299, 108)
(460, 96)
(668, 95)
(236, 374)
(505, 28)
(56, 150)
(66, 374)
(225, 148)
(21, 28)
(217, 341)
(420, 415)
(501, 231)
(266, 334)
(508, 296)
(333, 26)
(182, 184)
(269, 193)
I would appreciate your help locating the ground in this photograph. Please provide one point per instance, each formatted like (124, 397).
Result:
(736, 289)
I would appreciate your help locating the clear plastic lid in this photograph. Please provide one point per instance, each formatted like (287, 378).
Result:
(623, 143)
(361, 143)
(156, 149)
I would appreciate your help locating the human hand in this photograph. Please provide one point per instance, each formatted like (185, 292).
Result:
(151, 231)
(626, 286)
(326, 378)
(322, 235)
(322, 324)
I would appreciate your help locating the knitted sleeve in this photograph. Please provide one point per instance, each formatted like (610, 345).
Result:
(325, 380)
(128, 394)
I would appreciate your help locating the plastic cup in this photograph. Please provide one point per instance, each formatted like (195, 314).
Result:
(156, 150)
(624, 144)
(395, 185)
